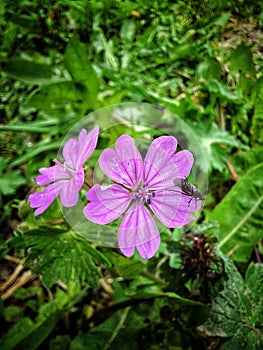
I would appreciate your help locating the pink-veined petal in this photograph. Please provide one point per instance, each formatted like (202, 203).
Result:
(184, 161)
(148, 249)
(52, 174)
(76, 152)
(159, 166)
(69, 193)
(106, 205)
(138, 229)
(171, 208)
(87, 144)
(70, 153)
(167, 143)
(125, 165)
(43, 199)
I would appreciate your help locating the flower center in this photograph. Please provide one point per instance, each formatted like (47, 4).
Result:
(142, 194)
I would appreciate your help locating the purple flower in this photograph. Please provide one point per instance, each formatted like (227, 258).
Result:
(143, 188)
(65, 180)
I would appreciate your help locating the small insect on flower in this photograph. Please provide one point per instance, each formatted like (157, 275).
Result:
(190, 190)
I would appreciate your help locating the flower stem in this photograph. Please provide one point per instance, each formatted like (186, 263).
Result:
(87, 184)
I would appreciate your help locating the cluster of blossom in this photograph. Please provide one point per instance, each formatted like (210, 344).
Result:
(140, 188)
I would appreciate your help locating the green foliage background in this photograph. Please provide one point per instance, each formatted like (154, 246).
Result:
(61, 60)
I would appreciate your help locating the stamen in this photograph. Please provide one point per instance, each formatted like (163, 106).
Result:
(141, 194)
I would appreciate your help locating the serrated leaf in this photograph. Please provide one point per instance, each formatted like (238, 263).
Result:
(9, 181)
(215, 143)
(28, 71)
(237, 311)
(56, 253)
(239, 215)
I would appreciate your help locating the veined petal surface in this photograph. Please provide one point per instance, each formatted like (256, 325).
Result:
(124, 165)
(138, 230)
(106, 205)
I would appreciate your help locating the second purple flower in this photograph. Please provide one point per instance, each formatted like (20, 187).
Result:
(141, 189)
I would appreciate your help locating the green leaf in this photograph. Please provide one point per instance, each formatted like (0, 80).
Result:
(16, 334)
(219, 20)
(107, 46)
(55, 98)
(127, 32)
(120, 331)
(242, 66)
(26, 334)
(56, 253)
(28, 71)
(239, 215)
(237, 311)
(179, 52)
(10, 180)
(243, 160)
(44, 146)
(175, 260)
(242, 61)
(40, 332)
(257, 119)
(31, 127)
(79, 66)
(208, 69)
(214, 142)
(222, 91)
(12, 313)
(60, 342)
(126, 268)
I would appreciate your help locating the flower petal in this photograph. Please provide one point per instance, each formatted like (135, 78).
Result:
(43, 199)
(167, 143)
(87, 144)
(51, 174)
(125, 165)
(76, 152)
(171, 208)
(184, 161)
(70, 153)
(138, 229)
(69, 194)
(159, 165)
(148, 249)
(194, 204)
(106, 205)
